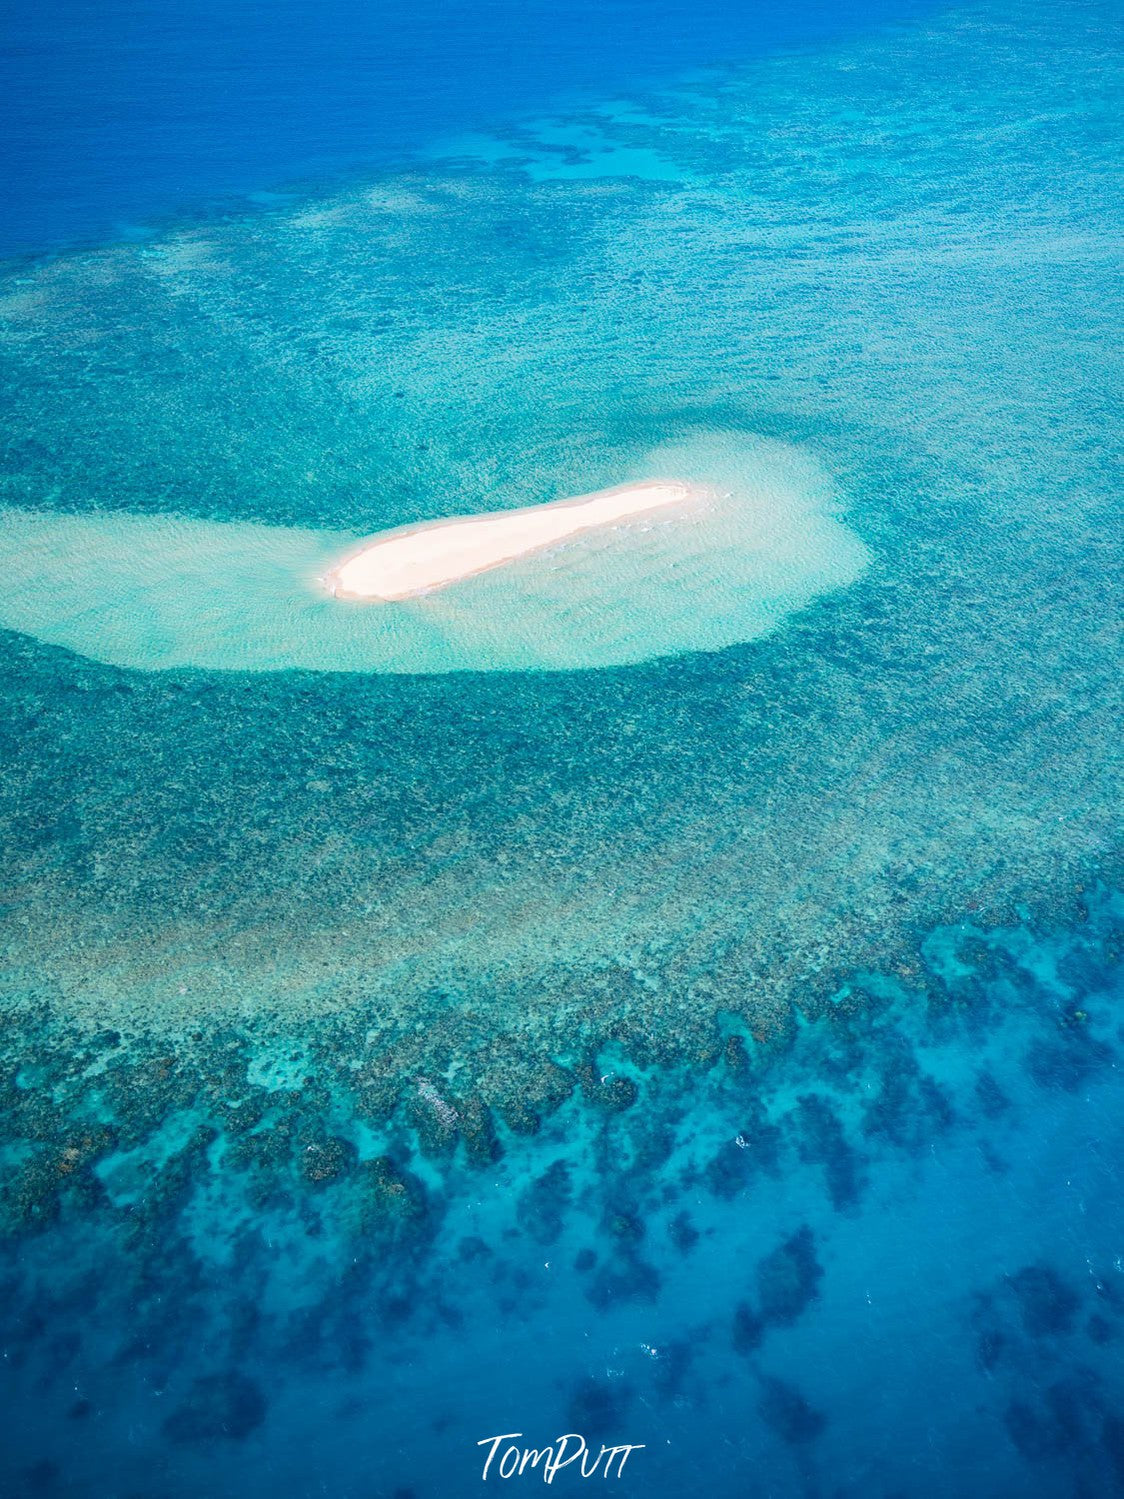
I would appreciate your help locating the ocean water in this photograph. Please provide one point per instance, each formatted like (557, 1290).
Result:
(680, 1007)
(119, 116)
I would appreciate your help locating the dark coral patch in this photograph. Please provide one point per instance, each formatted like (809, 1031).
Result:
(1099, 1330)
(1112, 1437)
(787, 1413)
(821, 1142)
(624, 1278)
(992, 1100)
(730, 1171)
(1057, 1426)
(1070, 1061)
(542, 1204)
(748, 1328)
(788, 1279)
(909, 1106)
(478, 1128)
(218, 1406)
(392, 1200)
(326, 1158)
(41, 1477)
(682, 1232)
(598, 1409)
(756, 1147)
(625, 1224)
(1048, 1306)
(675, 1360)
(990, 1349)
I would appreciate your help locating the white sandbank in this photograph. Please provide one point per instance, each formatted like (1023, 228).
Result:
(757, 533)
(402, 563)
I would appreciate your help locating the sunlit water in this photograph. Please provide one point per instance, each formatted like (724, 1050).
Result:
(160, 591)
(681, 1012)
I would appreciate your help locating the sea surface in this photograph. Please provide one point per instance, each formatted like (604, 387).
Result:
(667, 994)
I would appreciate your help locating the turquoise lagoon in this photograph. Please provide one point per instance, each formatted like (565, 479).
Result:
(679, 1007)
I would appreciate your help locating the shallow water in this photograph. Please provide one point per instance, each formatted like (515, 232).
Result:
(155, 592)
(717, 1049)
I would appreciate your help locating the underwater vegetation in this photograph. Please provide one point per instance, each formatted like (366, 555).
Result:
(233, 1233)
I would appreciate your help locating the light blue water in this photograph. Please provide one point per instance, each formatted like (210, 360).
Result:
(717, 1052)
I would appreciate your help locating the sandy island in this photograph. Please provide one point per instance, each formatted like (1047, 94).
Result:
(406, 562)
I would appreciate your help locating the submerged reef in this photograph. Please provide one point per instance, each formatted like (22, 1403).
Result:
(238, 1168)
(218, 1405)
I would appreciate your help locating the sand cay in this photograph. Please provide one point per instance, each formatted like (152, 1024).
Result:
(404, 563)
(651, 568)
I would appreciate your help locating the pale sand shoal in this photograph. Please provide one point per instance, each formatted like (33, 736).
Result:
(420, 558)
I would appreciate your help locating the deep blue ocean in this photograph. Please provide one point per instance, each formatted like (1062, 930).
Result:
(117, 116)
(707, 1040)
